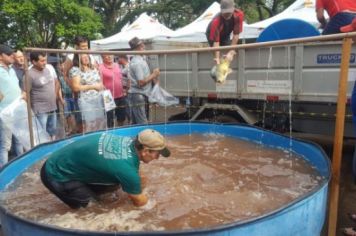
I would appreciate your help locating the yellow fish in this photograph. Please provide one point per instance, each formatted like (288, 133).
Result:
(221, 71)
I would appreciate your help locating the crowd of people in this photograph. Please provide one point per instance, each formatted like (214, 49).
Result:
(71, 91)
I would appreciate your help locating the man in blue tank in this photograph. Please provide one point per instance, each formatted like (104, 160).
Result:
(80, 171)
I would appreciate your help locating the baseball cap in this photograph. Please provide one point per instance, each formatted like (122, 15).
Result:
(153, 140)
(6, 49)
(135, 42)
(349, 27)
(227, 6)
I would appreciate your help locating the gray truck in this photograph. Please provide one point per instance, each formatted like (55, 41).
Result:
(274, 87)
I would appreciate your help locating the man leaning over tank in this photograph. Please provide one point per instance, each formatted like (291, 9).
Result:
(229, 20)
(341, 13)
(79, 172)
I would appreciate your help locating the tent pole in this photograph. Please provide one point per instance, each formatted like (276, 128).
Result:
(339, 135)
(276, 43)
(28, 99)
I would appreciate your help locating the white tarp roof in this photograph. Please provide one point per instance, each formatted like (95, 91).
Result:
(195, 31)
(144, 27)
(300, 9)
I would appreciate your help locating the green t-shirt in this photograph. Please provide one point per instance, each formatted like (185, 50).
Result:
(101, 158)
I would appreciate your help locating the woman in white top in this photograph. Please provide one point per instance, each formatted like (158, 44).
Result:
(85, 80)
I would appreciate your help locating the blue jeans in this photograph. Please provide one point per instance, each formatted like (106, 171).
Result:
(336, 22)
(70, 106)
(119, 112)
(5, 143)
(48, 121)
(138, 110)
(16, 147)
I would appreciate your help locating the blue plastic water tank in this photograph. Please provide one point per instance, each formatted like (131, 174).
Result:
(288, 29)
(304, 216)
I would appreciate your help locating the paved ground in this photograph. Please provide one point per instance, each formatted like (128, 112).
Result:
(347, 200)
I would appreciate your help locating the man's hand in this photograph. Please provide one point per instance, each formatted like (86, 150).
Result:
(23, 96)
(217, 61)
(230, 55)
(156, 72)
(322, 25)
(138, 199)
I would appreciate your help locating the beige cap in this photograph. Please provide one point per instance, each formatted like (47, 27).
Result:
(227, 6)
(153, 140)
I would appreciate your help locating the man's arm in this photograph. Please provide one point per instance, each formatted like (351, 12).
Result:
(217, 53)
(138, 199)
(320, 17)
(143, 179)
(234, 41)
(153, 76)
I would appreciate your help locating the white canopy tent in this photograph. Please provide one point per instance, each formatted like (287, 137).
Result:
(144, 27)
(300, 9)
(195, 31)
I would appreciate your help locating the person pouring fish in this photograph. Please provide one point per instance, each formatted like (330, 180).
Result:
(229, 20)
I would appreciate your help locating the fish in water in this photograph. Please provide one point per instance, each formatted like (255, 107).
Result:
(220, 71)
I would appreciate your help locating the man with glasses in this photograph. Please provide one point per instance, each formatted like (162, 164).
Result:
(229, 20)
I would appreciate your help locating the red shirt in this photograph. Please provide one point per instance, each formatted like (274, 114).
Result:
(220, 29)
(335, 6)
(112, 79)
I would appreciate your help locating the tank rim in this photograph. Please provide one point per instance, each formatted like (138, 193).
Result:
(286, 207)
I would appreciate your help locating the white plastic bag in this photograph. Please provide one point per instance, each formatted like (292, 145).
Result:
(15, 118)
(109, 102)
(93, 112)
(162, 97)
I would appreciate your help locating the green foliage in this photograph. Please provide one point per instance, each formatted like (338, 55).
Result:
(44, 23)
(258, 10)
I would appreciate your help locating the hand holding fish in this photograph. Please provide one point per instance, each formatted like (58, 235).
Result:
(220, 71)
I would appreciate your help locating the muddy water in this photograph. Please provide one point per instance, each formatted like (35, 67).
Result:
(209, 180)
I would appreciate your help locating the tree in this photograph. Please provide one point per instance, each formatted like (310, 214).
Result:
(44, 23)
(111, 11)
(258, 10)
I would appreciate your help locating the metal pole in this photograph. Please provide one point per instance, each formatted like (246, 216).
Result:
(339, 134)
(28, 98)
(206, 49)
